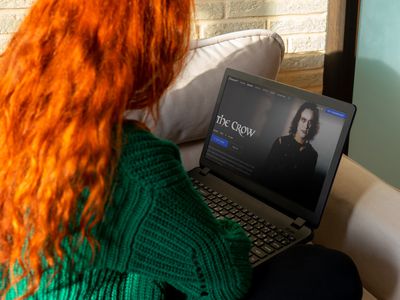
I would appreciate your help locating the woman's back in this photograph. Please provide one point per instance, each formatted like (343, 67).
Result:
(156, 231)
(66, 79)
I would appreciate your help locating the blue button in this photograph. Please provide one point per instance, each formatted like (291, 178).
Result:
(219, 141)
(336, 113)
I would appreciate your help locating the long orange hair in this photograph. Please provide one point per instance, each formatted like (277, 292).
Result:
(66, 78)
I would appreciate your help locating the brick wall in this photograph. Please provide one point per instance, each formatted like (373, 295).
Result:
(11, 14)
(301, 23)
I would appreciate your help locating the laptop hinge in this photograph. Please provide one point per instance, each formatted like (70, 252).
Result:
(204, 171)
(298, 223)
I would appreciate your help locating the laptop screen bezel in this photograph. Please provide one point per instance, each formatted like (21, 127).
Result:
(271, 198)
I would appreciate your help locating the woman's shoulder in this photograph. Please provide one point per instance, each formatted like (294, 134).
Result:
(145, 157)
(137, 141)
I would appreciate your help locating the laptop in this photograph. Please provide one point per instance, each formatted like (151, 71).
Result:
(270, 158)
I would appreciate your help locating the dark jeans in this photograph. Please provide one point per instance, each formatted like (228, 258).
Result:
(303, 272)
(307, 272)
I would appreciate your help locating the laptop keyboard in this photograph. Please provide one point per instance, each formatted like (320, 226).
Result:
(267, 239)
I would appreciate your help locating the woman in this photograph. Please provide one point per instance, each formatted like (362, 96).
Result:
(86, 207)
(90, 206)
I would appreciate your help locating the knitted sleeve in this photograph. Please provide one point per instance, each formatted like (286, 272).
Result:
(182, 244)
(169, 232)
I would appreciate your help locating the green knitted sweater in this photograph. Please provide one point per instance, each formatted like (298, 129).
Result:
(156, 231)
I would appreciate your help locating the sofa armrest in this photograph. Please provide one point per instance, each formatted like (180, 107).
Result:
(362, 220)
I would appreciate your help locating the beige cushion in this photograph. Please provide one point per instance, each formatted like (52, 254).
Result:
(186, 108)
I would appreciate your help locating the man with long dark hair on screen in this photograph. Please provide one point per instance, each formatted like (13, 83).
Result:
(290, 165)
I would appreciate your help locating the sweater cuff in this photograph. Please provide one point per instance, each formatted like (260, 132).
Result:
(239, 246)
(146, 288)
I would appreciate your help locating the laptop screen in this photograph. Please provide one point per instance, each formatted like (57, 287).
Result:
(282, 143)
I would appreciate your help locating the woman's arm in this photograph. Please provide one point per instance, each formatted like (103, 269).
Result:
(158, 226)
(181, 243)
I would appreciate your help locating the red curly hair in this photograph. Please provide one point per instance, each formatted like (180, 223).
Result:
(66, 78)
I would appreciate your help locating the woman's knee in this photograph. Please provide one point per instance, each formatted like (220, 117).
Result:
(332, 270)
(308, 272)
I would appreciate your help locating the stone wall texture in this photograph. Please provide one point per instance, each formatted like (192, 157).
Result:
(301, 24)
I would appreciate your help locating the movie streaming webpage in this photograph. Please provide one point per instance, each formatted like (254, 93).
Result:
(228, 140)
(247, 127)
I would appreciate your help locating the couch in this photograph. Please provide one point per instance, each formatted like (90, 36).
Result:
(360, 217)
